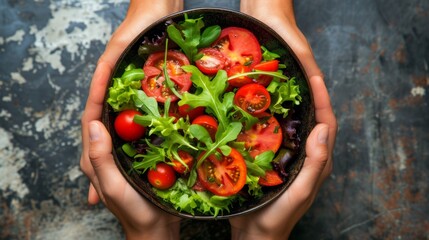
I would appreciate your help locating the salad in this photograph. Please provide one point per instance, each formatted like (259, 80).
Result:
(207, 118)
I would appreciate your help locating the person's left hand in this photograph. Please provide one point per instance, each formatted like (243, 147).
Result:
(139, 218)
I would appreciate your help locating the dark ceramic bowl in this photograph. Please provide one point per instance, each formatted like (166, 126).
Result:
(268, 38)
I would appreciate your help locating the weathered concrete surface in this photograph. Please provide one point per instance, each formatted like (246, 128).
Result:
(375, 58)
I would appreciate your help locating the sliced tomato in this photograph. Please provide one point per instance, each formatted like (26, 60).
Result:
(154, 82)
(126, 128)
(162, 176)
(239, 81)
(239, 46)
(225, 176)
(187, 159)
(192, 113)
(208, 122)
(263, 136)
(212, 60)
(271, 178)
(198, 186)
(252, 98)
(268, 66)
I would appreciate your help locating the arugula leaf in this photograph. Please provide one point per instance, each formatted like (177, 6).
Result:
(149, 160)
(122, 91)
(148, 104)
(261, 164)
(246, 118)
(281, 92)
(173, 131)
(267, 55)
(188, 36)
(210, 34)
(221, 140)
(209, 94)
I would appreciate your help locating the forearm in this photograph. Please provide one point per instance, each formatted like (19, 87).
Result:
(160, 8)
(168, 232)
(237, 234)
(260, 8)
(279, 15)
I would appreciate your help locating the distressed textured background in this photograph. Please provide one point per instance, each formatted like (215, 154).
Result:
(374, 53)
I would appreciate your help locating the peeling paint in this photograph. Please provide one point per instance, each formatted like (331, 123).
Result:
(53, 40)
(418, 92)
(12, 160)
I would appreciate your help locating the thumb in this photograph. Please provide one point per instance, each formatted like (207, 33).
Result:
(100, 147)
(317, 153)
(101, 158)
(306, 184)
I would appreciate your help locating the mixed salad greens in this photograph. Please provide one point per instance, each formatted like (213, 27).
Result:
(207, 118)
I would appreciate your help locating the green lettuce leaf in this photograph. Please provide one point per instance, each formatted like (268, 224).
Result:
(282, 92)
(185, 199)
(123, 89)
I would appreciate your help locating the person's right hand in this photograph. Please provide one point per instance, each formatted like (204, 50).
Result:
(276, 220)
(138, 217)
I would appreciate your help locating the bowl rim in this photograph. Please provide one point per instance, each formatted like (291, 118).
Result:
(105, 114)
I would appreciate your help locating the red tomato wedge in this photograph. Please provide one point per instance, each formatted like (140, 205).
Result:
(187, 159)
(252, 98)
(271, 178)
(239, 46)
(126, 128)
(268, 66)
(192, 113)
(208, 122)
(153, 83)
(239, 81)
(263, 136)
(212, 60)
(225, 176)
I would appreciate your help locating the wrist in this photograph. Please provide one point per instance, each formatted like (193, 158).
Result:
(276, 8)
(237, 234)
(158, 10)
(169, 232)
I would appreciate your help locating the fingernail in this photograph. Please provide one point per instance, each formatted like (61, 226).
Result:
(94, 131)
(322, 137)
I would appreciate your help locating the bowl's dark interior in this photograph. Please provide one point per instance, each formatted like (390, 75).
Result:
(267, 38)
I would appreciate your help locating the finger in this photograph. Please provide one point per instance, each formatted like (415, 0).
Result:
(101, 158)
(305, 186)
(93, 110)
(324, 112)
(93, 197)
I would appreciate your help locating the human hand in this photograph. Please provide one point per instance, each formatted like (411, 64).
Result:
(139, 218)
(277, 220)
(133, 211)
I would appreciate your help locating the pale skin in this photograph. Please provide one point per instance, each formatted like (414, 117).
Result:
(139, 218)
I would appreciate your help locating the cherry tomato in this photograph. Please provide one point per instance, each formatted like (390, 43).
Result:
(186, 158)
(153, 83)
(263, 136)
(252, 98)
(126, 128)
(271, 178)
(240, 81)
(239, 46)
(162, 176)
(225, 176)
(269, 66)
(212, 60)
(208, 122)
(192, 113)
